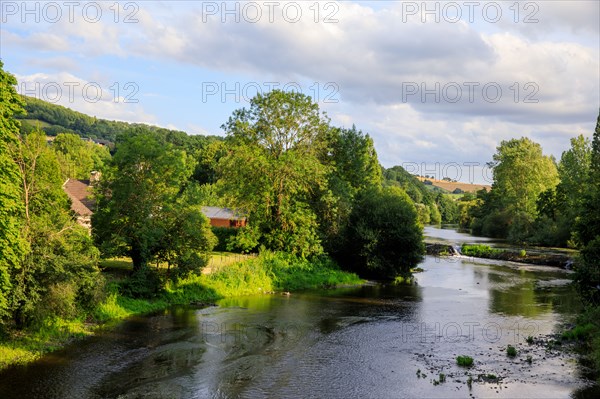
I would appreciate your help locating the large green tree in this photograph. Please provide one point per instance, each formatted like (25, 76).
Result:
(588, 228)
(560, 207)
(58, 273)
(274, 168)
(142, 211)
(384, 237)
(12, 244)
(353, 166)
(521, 173)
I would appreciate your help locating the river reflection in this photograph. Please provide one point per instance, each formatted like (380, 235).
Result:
(364, 342)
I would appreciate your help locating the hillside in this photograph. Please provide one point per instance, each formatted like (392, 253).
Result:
(451, 186)
(54, 119)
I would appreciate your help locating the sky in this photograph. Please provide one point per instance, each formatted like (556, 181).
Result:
(437, 84)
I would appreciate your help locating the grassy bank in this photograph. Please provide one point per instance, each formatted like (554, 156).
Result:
(587, 334)
(522, 256)
(263, 274)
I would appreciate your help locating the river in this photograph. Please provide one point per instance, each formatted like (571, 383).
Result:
(374, 341)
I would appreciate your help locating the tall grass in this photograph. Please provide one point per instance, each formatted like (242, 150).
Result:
(480, 251)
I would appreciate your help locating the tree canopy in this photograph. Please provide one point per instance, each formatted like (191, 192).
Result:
(141, 202)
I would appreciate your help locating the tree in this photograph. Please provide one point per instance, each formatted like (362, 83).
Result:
(559, 207)
(521, 174)
(353, 166)
(79, 157)
(588, 228)
(140, 205)
(59, 271)
(273, 169)
(384, 237)
(12, 244)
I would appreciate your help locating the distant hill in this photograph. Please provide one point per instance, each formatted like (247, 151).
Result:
(54, 119)
(452, 186)
(419, 192)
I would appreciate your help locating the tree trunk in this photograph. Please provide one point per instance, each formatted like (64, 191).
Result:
(137, 257)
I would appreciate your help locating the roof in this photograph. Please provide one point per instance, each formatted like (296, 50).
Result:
(78, 191)
(213, 212)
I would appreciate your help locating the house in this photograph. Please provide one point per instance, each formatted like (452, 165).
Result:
(81, 202)
(224, 217)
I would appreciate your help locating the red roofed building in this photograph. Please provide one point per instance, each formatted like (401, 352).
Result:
(79, 192)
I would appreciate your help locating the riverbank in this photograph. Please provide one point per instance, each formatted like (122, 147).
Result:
(267, 273)
(487, 252)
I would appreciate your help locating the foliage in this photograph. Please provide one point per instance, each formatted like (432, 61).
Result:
(78, 157)
(433, 206)
(56, 119)
(225, 236)
(61, 263)
(464, 361)
(352, 166)
(12, 244)
(273, 169)
(511, 351)
(521, 174)
(146, 209)
(384, 237)
(144, 282)
(560, 208)
(480, 251)
(588, 228)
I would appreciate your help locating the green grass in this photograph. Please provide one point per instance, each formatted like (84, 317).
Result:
(529, 340)
(262, 274)
(579, 333)
(36, 122)
(511, 351)
(28, 346)
(480, 251)
(464, 361)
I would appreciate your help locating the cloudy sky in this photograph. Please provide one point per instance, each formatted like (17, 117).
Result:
(437, 84)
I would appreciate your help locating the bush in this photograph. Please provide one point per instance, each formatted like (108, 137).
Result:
(384, 238)
(58, 301)
(143, 283)
(480, 251)
(464, 361)
(511, 351)
(190, 263)
(587, 272)
(225, 237)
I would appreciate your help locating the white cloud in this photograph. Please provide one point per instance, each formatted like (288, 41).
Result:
(374, 56)
(88, 97)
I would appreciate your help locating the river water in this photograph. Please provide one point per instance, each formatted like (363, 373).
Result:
(375, 341)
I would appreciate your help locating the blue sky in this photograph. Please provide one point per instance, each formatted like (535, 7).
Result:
(436, 84)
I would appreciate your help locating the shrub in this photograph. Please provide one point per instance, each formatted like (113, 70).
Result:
(190, 262)
(480, 250)
(511, 351)
(59, 301)
(143, 283)
(384, 238)
(529, 340)
(522, 253)
(225, 237)
(580, 332)
(464, 361)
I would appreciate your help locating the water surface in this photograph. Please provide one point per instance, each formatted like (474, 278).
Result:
(363, 342)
